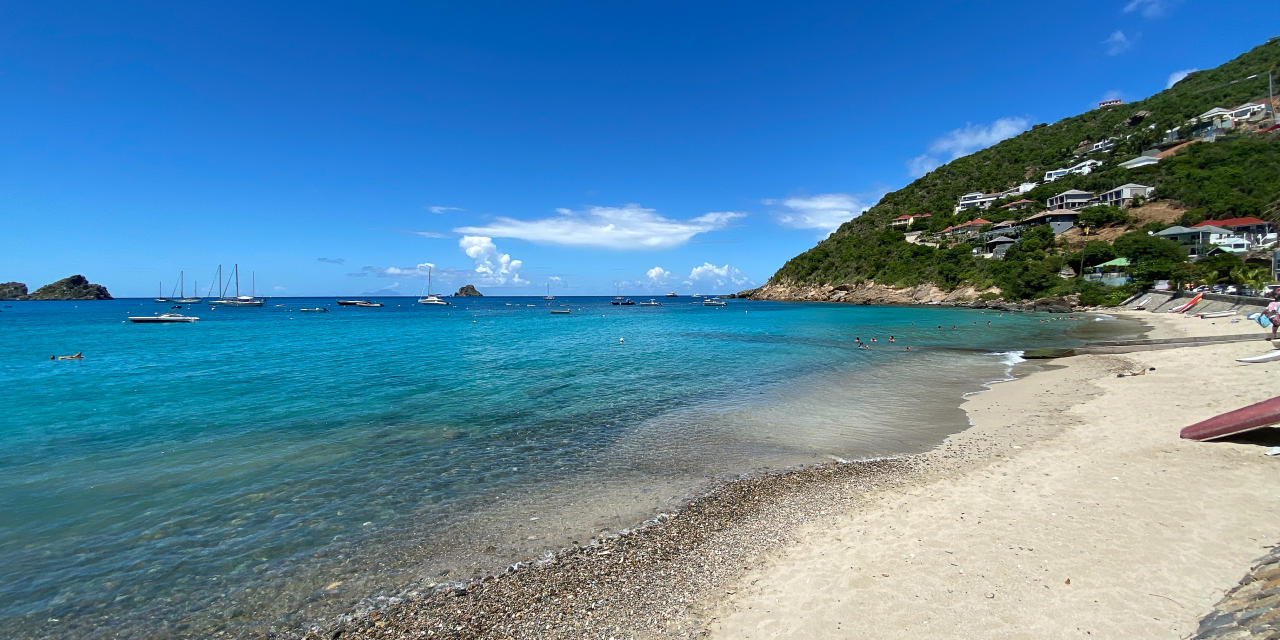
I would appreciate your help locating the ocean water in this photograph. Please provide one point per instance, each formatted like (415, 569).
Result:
(264, 468)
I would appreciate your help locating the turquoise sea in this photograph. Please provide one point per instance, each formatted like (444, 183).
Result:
(264, 468)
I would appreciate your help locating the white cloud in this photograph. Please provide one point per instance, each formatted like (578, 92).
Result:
(1177, 76)
(711, 275)
(439, 209)
(629, 227)
(492, 267)
(280, 288)
(825, 212)
(1117, 43)
(431, 234)
(657, 275)
(964, 141)
(922, 164)
(1151, 8)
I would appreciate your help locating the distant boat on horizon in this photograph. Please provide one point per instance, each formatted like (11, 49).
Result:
(548, 296)
(672, 295)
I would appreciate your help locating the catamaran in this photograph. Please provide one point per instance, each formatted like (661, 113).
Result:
(238, 300)
(548, 296)
(432, 298)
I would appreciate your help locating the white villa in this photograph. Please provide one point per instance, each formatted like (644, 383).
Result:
(1123, 195)
(1072, 199)
(1083, 169)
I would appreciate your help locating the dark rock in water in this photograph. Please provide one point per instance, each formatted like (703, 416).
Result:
(468, 291)
(13, 291)
(76, 287)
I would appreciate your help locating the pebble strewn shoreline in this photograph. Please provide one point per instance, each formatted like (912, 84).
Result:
(633, 583)
(652, 581)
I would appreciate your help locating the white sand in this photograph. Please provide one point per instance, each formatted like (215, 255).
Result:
(1088, 482)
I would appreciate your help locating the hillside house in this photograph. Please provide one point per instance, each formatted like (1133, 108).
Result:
(1110, 103)
(1124, 195)
(1111, 273)
(965, 229)
(1251, 229)
(976, 200)
(1019, 190)
(1072, 199)
(1058, 219)
(1105, 145)
(998, 246)
(1197, 240)
(908, 221)
(1018, 205)
(1081, 169)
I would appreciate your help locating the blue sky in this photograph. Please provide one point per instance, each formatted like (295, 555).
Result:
(332, 149)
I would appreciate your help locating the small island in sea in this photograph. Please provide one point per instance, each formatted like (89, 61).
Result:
(468, 291)
(76, 287)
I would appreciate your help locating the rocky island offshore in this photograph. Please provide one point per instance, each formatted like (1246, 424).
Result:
(76, 287)
(468, 291)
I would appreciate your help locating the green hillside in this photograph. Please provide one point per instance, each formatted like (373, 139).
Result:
(1238, 175)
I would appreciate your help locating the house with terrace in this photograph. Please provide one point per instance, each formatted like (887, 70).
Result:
(976, 200)
(1197, 240)
(965, 229)
(1072, 199)
(1124, 195)
(1251, 229)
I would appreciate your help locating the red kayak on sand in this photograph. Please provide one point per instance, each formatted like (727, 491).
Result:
(1254, 416)
(1184, 307)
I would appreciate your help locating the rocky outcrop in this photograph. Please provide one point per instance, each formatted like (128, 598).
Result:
(1248, 610)
(13, 291)
(468, 291)
(76, 287)
(928, 293)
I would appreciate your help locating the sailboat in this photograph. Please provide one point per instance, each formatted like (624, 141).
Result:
(548, 296)
(160, 294)
(182, 289)
(432, 298)
(238, 300)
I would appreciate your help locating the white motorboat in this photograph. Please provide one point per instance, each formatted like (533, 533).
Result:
(712, 302)
(651, 303)
(162, 319)
(561, 311)
(317, 309)
(671, 295)
(365, 303)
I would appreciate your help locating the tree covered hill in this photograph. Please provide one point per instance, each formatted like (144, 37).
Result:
(1235, 176)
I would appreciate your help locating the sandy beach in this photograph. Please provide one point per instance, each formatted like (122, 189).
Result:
(1069, 508)
(1082, 514)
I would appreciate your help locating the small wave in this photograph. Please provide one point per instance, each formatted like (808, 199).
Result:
(1102, 317)
(1010, 357)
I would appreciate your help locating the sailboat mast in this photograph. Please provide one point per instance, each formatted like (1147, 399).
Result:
(182, 284)
(428, 280)
(237, 279)
(253, 290)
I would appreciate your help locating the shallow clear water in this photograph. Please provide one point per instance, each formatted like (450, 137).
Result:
(224, 475)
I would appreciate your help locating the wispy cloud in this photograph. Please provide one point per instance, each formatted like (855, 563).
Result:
(622, 228)
(440, 209)
(332, 260)
(431, 234)
(824, 212)
(711, 275)
(964, 141)
(1151, 8)
(1177, 76)
(1117, 43)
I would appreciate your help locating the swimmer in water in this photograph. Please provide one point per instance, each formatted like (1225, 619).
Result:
(890, 338)
(77, 356)
(908, 348)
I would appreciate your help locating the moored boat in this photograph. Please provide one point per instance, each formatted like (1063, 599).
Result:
(164, 318)
(432, 298)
